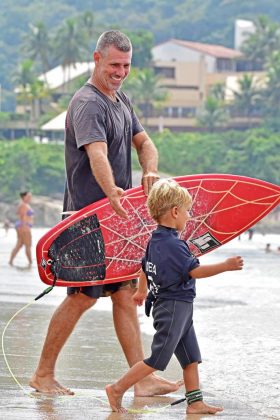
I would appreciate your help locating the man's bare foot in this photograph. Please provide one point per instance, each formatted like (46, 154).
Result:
(180, 382)
(199, 407)
(115, 399)
(155, 385)
(48, 385)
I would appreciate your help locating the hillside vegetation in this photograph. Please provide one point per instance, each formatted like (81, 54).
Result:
(207, 21)
(40, 167)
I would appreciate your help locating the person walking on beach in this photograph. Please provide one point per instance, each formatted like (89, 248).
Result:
(101, 128)
(6, 226)
(23, 227)
(169, 270)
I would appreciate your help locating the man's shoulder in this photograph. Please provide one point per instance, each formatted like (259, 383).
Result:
(86, 97)
(87, 91)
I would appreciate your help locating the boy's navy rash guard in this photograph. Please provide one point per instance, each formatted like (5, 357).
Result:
(167, 264)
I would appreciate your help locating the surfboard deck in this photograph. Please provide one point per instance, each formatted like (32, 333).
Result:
(95, 246)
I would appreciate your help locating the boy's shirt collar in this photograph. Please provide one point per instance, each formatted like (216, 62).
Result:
(166, 228)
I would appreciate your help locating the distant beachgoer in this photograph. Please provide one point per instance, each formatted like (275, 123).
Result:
(23, 227)
(267, 248)
(6, 226)
(169, 270)
(250, 233)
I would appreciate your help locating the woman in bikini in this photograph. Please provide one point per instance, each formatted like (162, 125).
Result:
(23, 227)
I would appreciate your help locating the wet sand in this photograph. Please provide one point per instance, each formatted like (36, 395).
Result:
(92, 357)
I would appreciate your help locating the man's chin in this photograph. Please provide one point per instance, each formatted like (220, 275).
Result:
(116, 86)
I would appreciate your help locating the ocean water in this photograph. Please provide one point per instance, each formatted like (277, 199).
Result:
(236, 317)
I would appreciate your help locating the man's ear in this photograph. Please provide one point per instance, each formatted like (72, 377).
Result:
(96, 56)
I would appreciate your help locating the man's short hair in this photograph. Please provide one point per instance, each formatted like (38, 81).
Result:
(113, 38)
(164, 195)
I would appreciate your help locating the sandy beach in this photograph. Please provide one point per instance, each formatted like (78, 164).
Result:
(237, 323)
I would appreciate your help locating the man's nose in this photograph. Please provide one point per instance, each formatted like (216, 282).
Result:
(121, 72)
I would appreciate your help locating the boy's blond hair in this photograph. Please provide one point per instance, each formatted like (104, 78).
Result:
(164, 195)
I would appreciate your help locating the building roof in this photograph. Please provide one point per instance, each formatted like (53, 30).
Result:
(56, 124)
(218, 51)
(58, 76)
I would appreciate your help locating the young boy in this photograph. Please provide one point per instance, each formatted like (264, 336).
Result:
(170, 270)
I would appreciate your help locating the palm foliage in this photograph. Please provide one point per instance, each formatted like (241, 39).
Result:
(260, 45)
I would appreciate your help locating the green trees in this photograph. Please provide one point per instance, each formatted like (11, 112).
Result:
(260, 45)
(145, 90)
(25, 74)
(69, 44)
(26, 165)
(30, 91)
(88, 25)
(254, 153)
(37, 45)
(214, 112)
(272, 92)
(142, 42)
(248, 95)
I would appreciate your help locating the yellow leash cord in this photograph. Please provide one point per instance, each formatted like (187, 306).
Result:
(29, 394)
(3, 347)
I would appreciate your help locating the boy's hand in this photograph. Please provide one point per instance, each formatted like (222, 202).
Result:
(139, 298)
(234, 263)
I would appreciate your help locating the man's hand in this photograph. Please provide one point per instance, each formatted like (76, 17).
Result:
(148, 180)
(139, 297)
(115, 202)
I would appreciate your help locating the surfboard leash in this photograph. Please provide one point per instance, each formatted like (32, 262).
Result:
(3, 347)
(46, 291)
(29, 394)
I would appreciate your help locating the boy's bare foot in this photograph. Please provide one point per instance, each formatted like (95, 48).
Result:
(155, 385)
(48, 385)
(199, 407)
(115, 399)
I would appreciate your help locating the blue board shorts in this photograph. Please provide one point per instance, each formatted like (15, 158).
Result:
(105, 290)
(175, 334)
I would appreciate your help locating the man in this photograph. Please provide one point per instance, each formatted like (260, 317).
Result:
(101, 127)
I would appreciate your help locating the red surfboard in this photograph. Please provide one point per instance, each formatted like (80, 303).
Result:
(95, 246)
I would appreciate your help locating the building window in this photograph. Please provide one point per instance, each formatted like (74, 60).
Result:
(178, 112)
(225, 64)
(166, 72)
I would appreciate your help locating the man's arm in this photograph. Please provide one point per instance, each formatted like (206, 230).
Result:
(148, 159)
(102, 171)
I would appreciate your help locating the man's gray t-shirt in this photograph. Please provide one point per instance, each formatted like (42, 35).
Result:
(93, 117)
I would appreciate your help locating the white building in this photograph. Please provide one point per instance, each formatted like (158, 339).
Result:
(242, 29)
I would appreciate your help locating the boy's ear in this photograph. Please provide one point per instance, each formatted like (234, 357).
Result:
(174, 212)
